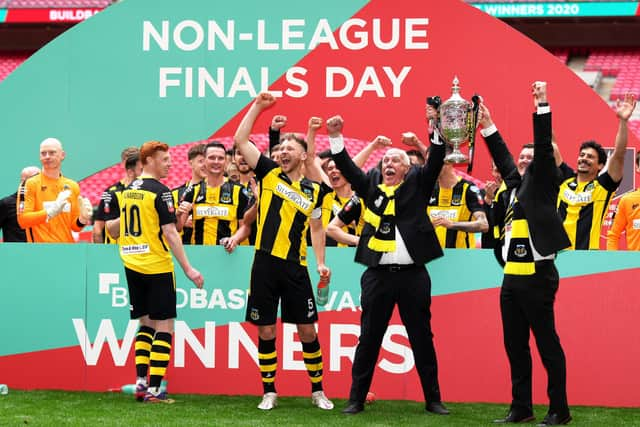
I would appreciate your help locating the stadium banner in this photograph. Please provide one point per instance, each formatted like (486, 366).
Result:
(47, 15)
(65, 325)
(185, 71)
(567, 9)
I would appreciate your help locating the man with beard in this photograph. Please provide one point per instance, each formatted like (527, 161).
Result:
(584, 198)
(217, 209)
(289, 203)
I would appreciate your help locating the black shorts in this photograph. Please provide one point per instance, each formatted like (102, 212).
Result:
(151, 294)
(274, 279)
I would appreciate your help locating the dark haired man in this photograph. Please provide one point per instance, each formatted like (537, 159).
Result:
(584, 198)
(218, 206)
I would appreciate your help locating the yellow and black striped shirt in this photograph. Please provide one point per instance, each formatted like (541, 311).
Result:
(455, 204)
(284, 210)
(178, 197)
(104, 207)
(582, 206)
(216, 211)
(144, 207)
(350, 211)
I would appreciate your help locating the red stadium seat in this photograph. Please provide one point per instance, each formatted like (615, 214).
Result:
(28, 4)
(11, 61)
(93, 186)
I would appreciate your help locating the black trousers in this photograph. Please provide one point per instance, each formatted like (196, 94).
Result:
(381, 291)
(526, 303)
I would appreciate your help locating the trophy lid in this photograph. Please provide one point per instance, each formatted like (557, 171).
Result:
(455, 91)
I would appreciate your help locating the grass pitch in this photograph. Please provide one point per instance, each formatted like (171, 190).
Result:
(61, 408)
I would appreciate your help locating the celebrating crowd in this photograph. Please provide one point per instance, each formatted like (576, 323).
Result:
(399, 215)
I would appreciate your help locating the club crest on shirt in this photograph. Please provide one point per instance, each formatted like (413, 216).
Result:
(520, 251)
(385, 228)
(308, 192)
(225, 197)
(456, 200)
(136, 184)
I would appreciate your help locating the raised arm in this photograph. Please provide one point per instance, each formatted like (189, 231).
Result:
(277, 122)
(412, 140)
(496, 145)
(351, 172)
(543, 157)
(624, 109)
(380, 142)
(249, 151)
(312, 168)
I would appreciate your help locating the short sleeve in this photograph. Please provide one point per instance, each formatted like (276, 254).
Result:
(165, 207)
(473, 199)
(264, 166)
(607, 182)
(110, 205)
(351, 210)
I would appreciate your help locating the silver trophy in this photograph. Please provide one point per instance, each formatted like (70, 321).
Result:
(457, 121)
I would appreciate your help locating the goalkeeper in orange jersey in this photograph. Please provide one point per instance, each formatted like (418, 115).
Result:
(49, 204)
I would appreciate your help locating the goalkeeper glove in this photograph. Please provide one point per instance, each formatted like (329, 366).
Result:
(86, 210)
(55, 207)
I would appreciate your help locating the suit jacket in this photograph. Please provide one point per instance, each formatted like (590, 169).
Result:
(411, 199)
(537, 189)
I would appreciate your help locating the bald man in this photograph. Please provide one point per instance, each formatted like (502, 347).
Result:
(11, 231)
(50, 206)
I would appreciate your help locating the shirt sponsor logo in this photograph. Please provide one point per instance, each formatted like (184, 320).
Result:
(212, 211)
(134, 249)
(293, 196)
(450, 214)
(576, 198)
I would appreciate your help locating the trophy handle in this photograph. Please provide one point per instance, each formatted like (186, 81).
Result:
(475, 100)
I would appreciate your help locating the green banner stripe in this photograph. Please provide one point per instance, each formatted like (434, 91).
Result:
(46, 287)
(558, 9)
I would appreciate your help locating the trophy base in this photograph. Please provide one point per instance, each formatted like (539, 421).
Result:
(457, 158)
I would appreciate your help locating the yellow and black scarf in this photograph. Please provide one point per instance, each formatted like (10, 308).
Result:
(382, 217)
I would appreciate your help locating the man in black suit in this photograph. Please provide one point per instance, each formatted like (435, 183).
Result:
(531, 233)
(396, 243)
(11, 231)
